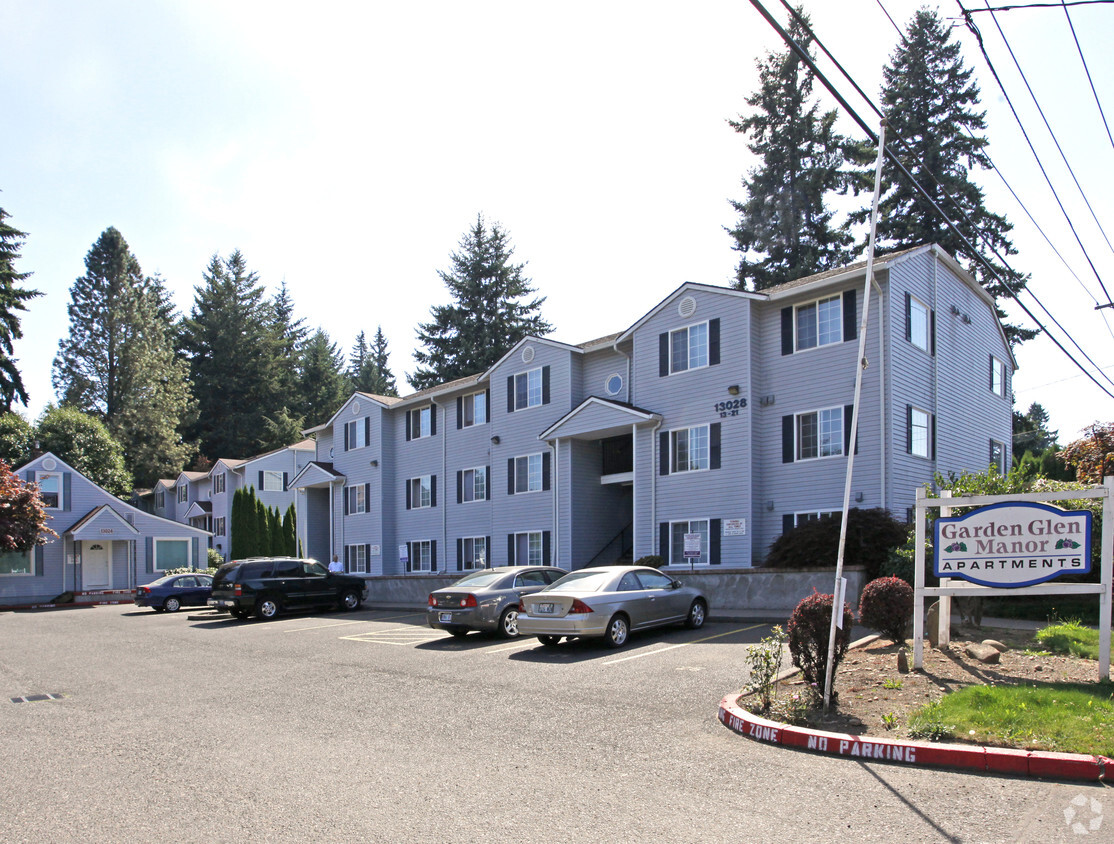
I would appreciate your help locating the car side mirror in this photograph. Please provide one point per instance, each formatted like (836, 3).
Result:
(677, 584)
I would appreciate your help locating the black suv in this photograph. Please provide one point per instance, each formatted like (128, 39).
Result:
(267, 586)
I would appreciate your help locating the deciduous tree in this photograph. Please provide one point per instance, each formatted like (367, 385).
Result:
(85, 443)
(22, 515)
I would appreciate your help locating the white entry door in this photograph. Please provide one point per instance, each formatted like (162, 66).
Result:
(96, 566)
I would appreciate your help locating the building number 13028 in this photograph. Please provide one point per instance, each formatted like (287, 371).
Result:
(729, 408)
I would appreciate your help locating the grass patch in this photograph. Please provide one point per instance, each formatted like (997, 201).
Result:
(1062, 717)
(1070, 637)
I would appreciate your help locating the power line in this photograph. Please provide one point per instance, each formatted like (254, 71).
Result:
(1087, 70)
(855, 116)
(1045, 5)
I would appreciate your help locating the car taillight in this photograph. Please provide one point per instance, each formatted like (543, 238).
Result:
(522, 607)
(432, 600)
(143, 590)
(239, 590)
(468, 601)
(578, 606)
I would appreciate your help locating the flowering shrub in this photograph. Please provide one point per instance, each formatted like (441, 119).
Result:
(886, 605)
(809, 627)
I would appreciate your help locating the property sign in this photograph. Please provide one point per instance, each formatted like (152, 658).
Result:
(404, 554)
(1013, 544)
(692, 546)
(734, 527)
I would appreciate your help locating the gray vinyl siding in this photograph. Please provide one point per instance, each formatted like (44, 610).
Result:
(355, 465)
(316, 530)
(596, 512)
(418, 457)
(325, 452)
(600, 365)
(466, 448)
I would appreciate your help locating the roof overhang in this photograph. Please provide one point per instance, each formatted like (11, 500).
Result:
(102, 523)
(198, 509)
(596, 418)
(315, 475)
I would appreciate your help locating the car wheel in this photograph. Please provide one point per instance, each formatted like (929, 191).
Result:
(459, 633)
(618, 629)
(267, 607)
(508, 623)
(350, 600)
(698, 614)
(550, 641)
(240, 614)
(172, 605)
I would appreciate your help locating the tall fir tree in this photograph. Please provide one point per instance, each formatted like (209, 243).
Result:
(13, 299)
(785, 230)
(120, 363)
(489, 314)
(931, 103)
(290, 531)
(324, 386)
(230, 343)
(368, 367)
(262, 529)
(290, 335)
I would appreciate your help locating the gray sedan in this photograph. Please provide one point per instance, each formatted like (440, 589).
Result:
(610, 601)
(487, 599)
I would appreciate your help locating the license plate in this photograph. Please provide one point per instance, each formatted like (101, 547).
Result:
(445, 617)
(545, 608)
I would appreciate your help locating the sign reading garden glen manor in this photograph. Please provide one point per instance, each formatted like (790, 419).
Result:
(1013, 544)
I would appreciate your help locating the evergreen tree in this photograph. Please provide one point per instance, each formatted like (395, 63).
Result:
(231, 348)
(785, 230)
(324, 386)
(290, 531)
(262, 529)
(84, 442)
(13, 298)
(489, 313)
(932, 104)
(16, 439)
(274, 525)
(289, 337)
(368, 369)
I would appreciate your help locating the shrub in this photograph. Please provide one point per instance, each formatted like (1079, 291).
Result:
(886, 605)
(871, 535)
(651, 560)
(809, 628)
(764, 660)
(214, 559)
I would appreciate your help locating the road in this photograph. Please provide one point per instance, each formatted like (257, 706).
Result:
(369, 726)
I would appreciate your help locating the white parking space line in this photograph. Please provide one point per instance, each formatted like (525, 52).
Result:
(517, 646)
(326, 626)
(681, 645)
(395, 637)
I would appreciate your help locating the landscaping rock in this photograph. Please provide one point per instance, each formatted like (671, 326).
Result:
(998, 646)
(983, 653)
(932, 624)
(902, 662)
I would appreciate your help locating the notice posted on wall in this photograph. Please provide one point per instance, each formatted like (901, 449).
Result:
(734, 527)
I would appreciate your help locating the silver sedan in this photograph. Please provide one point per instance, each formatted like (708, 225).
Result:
(612, 602)
(487, 599)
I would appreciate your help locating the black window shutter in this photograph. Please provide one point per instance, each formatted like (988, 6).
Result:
(459, 412)
(848, 415)
(545, 548)
(510, 549)
(787, 523)
(460, 554)
(346, 437)
(713, 445)
(260, 480)
(933, 442)
(663, 354)
(408, 437)
(433, 420)
(410, 556)
(487, 552)
(487, 405)
(285, 481)
(990, 382)
(367, 498)
(715, 528)
(433, 555)
(345, 492)
(367, 430)
(545, 470)
(545, 385)
(850, 316)
(510, 476)
(406, 485)
(787, 331)
(487, 489)
(459, 487)
(663, 541)
(713, 341)
(908, 429)
(40, 561)
(932, 331)
(510, 394)
(367, 558)
(347, 558)
(432, 490)
(787, 439)
(663, 453)
(908, 316)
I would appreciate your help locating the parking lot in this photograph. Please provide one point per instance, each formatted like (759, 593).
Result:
(371, 726)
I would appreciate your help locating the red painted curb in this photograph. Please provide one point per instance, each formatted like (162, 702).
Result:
(1001, 760)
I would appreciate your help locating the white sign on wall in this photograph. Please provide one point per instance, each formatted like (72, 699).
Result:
(376, 550)
(734, 527)
(403, 554)
(692, 546)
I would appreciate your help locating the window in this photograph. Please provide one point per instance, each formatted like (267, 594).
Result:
(689, 449)
(997, 456)
(473, 552)
(16, 562)
(272, 481)
(529, 549)
(421, 556)
(997, 376)
(420, 423)
(160, 500)
(172, 554)
(918, 323)
(820, 433)
(688, 348)
(218, 526)
(528, 389)
(218, 487)
(356, 555)
(813, 516)
(677, 531)
(421, 492)
(50, 489)
(918, 432)
(473, 484)
(528, 473)
(473, 410)
(357, 498)
(819, 323)
(355, 434)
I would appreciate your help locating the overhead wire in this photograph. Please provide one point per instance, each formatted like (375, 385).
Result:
(1087, 70)
(873, 137)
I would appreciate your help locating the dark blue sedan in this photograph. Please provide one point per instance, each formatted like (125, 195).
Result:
(175, 591)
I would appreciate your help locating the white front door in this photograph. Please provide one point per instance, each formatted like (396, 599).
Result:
(96, 566)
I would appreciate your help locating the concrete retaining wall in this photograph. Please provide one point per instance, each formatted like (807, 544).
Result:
(768, 594)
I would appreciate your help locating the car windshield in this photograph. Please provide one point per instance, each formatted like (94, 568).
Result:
(582, 581)
(480, 578)
(316, 569)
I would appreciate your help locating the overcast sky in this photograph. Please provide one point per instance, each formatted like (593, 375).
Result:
(346, 148)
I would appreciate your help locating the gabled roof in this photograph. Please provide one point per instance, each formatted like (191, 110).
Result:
(100, 514)
(198, 508)
(191, 477)
(382, 401)
(620, 415)
(314, 473)
(688, 286)
(230, 464)
(308, 444)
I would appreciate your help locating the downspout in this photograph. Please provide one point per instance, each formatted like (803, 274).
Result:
(654, 480)
(444, 483)
(633, 493)
(556, 549)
